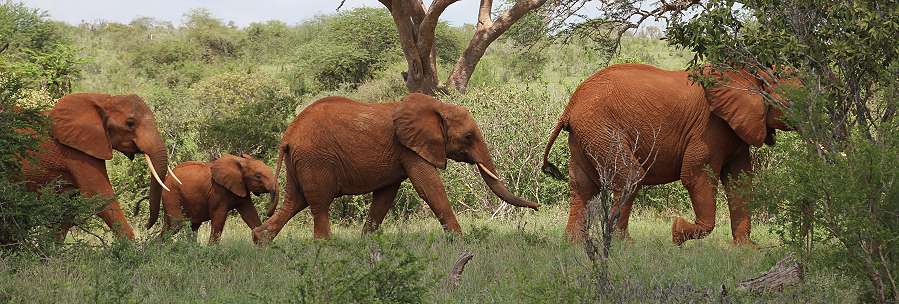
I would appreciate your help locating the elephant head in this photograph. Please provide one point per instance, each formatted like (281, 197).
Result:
(738, 99)
(95, 124)
(436, 131)
(243, 175)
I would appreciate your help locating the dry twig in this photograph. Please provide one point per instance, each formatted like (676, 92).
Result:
(454, 279)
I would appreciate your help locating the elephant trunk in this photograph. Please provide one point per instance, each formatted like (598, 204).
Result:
(488, 173)
(158, 161)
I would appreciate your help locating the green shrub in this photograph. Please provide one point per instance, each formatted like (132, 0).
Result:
(354, 277)
(216, 40)
(22, 27)
(30, 220)
(242, 113)
(515, 121)
(353, 46)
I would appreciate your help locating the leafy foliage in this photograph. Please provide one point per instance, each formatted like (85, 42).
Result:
(245, 113)
(35, 65)
(838, 184)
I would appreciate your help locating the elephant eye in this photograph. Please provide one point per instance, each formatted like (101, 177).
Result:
(130, 122)
(258, 175)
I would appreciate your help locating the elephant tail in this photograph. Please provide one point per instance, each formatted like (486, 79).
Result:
(549, 168)
(282, 150)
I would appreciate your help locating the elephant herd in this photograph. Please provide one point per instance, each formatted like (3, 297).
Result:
(650, 126)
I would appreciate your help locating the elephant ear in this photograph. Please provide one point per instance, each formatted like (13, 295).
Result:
(735, 99)
(420, 128)
(227, 171)
(78, 122)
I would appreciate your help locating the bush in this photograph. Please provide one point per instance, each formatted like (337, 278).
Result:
(215, 40)
(242, 113)
(26, 28)
(515, 121)
(353, 277)
(29, 220)
(355, 45)
(848, 198)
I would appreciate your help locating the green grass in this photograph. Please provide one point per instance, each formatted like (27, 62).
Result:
(522, 258)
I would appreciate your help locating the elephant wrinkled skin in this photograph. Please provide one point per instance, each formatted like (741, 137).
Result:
(674, 129)
(86, 127)
(208, 191)
(337, 146)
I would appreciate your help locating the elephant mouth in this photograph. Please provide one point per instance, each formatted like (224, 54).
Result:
(461, 157)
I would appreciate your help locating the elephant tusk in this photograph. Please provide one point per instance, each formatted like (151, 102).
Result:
(172, 173)
(491, 174)
(155, 175)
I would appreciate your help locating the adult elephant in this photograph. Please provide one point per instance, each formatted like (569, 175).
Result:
(662, 126)
(208, 190)
(85, 128)
(337, 146)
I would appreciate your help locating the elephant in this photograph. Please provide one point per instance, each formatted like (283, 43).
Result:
(337, 146)
(209, 190)
(85, 128)
(673, 129)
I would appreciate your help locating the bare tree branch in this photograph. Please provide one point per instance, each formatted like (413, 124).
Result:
(454, 279)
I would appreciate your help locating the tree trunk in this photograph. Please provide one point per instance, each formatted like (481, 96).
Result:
(416, 28)
(486, 32)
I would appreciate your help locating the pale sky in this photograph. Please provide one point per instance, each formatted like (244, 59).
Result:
(242, 12)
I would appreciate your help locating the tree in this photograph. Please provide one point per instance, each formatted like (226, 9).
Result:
(416, 25)
(839, 185)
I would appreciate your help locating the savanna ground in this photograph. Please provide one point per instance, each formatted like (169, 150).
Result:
(218, 88)
(517, 259)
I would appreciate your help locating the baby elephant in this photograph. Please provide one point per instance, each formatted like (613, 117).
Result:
(207, 191)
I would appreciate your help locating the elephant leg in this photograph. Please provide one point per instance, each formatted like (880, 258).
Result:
(318, 191)
(740, 224)
(90, 177)
(249, 214)
(174, 217)
(384, 199)
(320, 207)
(582, 176)
(114, 217)
(702, 188)
(218, 224)
(63, 231)
(427, 183)
(624, 213)
(582, 190)
(294, 202)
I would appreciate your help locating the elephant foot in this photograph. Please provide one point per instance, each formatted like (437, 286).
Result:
(679, 231)
(261, 236)
(744, 242)
(682, 230)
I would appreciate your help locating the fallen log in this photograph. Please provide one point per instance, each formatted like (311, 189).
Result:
(786, 272)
